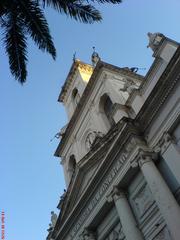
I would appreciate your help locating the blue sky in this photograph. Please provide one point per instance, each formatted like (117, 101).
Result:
(31, 178)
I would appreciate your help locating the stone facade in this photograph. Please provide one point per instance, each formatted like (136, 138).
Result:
(121, 150)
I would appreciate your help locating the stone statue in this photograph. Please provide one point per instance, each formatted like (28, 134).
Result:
(91, 139)
(53, 219)
(62, 197)
(154, 40)
(95, 57)
(50, 228)
(129, 86)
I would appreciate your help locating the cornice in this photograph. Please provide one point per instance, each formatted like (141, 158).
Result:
(144, 83)
(161, 91)
(77, 64)
(86, 94)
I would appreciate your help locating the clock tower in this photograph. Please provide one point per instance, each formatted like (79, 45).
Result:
(94, 97)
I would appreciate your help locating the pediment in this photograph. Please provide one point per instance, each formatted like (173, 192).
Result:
(86, 169)
(85, 174)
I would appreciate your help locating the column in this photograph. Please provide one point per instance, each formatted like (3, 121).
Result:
(126, 216)
(162, 194)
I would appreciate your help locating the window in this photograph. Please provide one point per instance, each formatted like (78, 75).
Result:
(75, 96)
(106, 106)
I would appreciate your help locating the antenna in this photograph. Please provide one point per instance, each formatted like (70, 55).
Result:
(57, 135)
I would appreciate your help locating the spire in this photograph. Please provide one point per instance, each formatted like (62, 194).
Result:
(95, 57)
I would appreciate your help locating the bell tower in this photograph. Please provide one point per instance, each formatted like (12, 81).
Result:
(74, 85)
(95, 98)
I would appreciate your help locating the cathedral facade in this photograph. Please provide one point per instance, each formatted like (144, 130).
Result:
(120, 150)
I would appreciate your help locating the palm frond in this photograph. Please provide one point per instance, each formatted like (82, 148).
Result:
(75, 9)
(2, 7)
(37, 25)
(15, 45)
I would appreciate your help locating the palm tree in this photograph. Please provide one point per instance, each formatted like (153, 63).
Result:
(22, 18)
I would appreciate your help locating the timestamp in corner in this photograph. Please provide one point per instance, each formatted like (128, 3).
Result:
(2, 225)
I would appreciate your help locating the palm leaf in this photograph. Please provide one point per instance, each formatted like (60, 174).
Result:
(2, 7)
(15, 44)
(37, 25)
(75, 9)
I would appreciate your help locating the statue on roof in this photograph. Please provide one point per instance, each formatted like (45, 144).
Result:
(62, 198)
(129, 86)
(50, 228)
(154, 40)
(95, 57)
(53, 219)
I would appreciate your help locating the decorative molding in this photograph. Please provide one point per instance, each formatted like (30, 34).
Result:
(115, 194)
(163, 143)
(129, 86)
(143, 157)
(91, 139)
(87, 234)
(116, 233)
(163, 235)
(160, 93)
(85, 68)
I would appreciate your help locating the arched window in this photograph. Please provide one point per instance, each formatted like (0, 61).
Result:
(75, 96)
(72, 165)
(106, 106)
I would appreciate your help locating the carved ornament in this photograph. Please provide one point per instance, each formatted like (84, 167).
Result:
(115, 194)
(143, 157)
(163, 143)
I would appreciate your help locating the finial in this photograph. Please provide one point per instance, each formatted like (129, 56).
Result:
(94, 57)
(74, 56)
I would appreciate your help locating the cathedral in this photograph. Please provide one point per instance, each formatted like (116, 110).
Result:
(120, 150)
